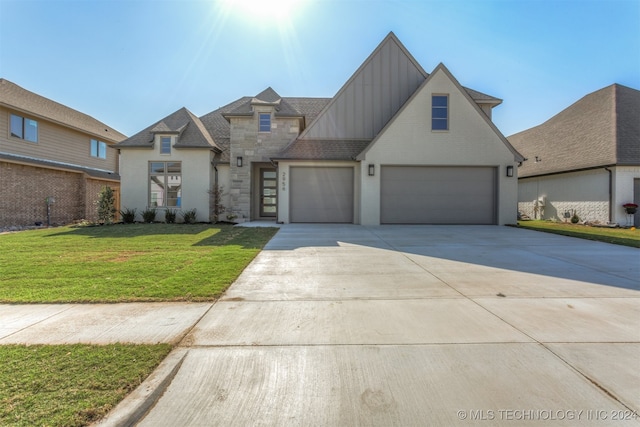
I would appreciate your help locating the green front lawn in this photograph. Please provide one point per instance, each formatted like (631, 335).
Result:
(70, 385)
(123, 263)
(618, 236)
(74, 385)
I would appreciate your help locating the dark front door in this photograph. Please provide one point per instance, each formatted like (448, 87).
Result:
(268, 192)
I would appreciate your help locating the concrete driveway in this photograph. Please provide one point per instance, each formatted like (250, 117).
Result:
(344, 325)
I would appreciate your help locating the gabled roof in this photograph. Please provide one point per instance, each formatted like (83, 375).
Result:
(21, 100)
(218, 126)
(601, 129)
(366, 103)
(442, 68)
(267, 97)
(190, 130)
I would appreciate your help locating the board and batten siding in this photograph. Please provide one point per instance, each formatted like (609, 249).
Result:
(371, 97)
(56, 143)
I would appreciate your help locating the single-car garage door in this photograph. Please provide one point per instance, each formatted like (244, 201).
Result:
(437, 195)
(321, 194)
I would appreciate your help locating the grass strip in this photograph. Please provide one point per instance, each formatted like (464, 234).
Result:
(618, 236)
(70, 385)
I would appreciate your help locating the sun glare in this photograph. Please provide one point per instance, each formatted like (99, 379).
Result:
(264, 11)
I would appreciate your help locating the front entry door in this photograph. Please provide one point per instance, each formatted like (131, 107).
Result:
(268, 192)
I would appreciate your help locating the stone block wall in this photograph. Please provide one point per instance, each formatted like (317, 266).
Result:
(254, 147)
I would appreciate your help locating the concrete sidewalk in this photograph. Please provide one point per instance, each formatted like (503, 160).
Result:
(409, 325)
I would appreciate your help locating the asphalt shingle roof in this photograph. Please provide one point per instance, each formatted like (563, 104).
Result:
(601, 129)
(15, 97)
(218, 126)
(316, 149)
(94, 173)
(192, 132)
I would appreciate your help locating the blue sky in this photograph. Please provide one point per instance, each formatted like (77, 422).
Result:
(129, 63)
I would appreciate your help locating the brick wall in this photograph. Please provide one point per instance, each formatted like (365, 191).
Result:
(23, 190)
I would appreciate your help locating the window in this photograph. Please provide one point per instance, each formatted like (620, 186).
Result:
(98, 149)
(265, 122)
(439, 112)
(24, 128)
(165, 145)
(165, 184)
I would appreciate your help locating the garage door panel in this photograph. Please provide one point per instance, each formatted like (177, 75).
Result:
(321, 194)
(438, 195)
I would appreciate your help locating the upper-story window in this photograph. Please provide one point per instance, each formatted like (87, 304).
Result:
(439, 112)
(265, 122)
(24, 128)
(98, 149)
(165, 145)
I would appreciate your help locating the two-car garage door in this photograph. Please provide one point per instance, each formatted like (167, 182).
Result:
(408, 195)
(437, 195)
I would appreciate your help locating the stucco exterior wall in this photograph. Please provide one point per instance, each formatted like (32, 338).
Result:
(623, 191)
(196, 178)
(409, 140)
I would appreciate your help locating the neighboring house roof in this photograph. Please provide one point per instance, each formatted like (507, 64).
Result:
(366, 103)
(190, 130)
(32, 161)
(601, 129)
(19, 99)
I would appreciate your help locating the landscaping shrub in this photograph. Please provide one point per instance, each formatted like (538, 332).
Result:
(189, 217)
(149, 215)
(170, 216)
(106, 206)
(128, 215)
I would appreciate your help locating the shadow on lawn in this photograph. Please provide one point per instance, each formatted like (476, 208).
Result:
(213, 234)
(135, 230)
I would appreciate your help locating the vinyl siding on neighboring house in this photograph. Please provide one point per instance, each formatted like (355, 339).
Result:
(55, 143)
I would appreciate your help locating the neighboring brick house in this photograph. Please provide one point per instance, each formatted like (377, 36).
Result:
(584, 159)
(50, 150)
(394, 145)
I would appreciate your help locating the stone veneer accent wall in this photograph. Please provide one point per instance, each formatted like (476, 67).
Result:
(254, 146)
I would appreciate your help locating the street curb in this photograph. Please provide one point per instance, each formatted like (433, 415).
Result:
(135, 406)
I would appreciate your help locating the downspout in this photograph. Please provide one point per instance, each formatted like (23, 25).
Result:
(610, 194)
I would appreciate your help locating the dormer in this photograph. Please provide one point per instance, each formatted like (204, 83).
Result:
(264, 109)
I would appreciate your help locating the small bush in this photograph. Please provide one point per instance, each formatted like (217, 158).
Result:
(170, 216)
(189, 217)
(128, 215)
(106, 205)
(149, 215)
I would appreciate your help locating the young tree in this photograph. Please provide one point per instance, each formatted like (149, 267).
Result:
(217, 208)
(106, 206)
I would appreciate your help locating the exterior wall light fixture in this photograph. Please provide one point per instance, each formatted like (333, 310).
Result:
(510, 171)
(372, 170)
(239, 161)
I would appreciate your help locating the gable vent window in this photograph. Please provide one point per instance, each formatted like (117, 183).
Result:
(98, 149)
(265, 122)
(165, 145)
(440, 112)
(24, 128)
